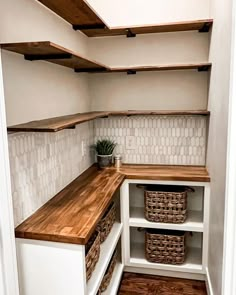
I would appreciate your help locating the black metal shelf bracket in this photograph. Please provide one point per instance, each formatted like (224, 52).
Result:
(130, 34)
(33, 57)
(90, 70)
(88, 27)
(71, 127)
(205, 28)
(203, 68)
(131, 72)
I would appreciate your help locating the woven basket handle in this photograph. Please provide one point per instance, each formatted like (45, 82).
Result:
(141, 186)
(189, 189)
(141, 229)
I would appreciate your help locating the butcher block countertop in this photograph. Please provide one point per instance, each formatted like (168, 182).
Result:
(72, 215)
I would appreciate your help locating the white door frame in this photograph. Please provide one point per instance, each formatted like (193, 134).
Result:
(229, 257)
(8, 266)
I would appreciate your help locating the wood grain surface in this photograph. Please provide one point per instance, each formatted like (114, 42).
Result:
(57, 123)
(51, 52)
(166, 172)
(79, 12)
(139, 284)
(63, 122)
(72, 215)
(165, 67)
(46, 48)
(148, 29)
(76, 12)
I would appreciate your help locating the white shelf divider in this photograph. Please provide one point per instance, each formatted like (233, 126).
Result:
(193, 263)
(107, 249)
(115, 280)
(193, 223)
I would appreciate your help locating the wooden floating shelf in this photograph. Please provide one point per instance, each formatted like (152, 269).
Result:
(82, 17)
(76, 12)
(196, 25)
(48, 51)
(57, 123)
(172, 67)
(54, 53)
(69, 121)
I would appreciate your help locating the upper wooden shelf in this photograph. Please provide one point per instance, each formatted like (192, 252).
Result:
(65, 122)
(57, 123)
(76, 12)
(171, 67)
(82, 17)
(48, 51)
(54, 53)
(196, 25)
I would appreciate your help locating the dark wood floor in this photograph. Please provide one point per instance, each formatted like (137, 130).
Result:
(138, 284)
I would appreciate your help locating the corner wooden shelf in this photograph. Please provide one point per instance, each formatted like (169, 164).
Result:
(51, 52)
(69, 121)
(76, 12)
(82, 17)
(57, 123)
(203, 25)
(54, 53)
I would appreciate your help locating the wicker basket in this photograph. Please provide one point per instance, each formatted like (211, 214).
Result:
(166, 204)
(108, 275)
(107, 221)
(92, 252)
(165, 246)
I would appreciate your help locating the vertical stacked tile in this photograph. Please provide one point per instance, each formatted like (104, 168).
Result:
(42, 164)
(172, 140)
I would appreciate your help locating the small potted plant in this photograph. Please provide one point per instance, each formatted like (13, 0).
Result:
(104, 149)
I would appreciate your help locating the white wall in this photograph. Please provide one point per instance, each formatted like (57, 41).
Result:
(8, 271)
(138, 12)
(217, 146)
(155, 90)
(36, 90)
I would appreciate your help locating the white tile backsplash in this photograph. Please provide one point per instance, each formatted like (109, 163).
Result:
(42, 164)
(170, 140)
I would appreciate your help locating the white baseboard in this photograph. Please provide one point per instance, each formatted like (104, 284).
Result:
(208, 283)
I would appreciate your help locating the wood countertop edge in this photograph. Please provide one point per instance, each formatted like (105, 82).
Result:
(83, 238)
(173, 178)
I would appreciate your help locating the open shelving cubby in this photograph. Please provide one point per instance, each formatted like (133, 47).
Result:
(196, 227)
(193, 261)
(194, 220)
(107, 250)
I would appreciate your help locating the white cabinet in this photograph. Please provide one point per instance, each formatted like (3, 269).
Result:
(133, 244)
(51, 268)
(59, 268)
